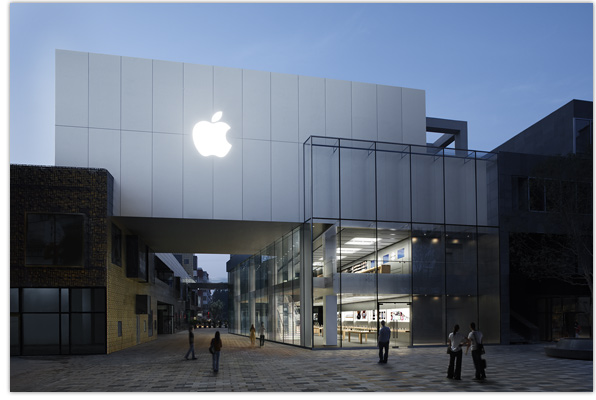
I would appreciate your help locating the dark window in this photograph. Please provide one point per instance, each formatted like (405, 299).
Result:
(537, 200)
(568, 196)
(55, 239)
(119, 328)
(584, 198)
(553, 195)
(116, 245)
(583, 135)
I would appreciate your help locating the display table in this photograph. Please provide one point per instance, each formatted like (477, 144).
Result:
(359, 332)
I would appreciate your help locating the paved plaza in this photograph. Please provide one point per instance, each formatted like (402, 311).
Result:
(160, 366)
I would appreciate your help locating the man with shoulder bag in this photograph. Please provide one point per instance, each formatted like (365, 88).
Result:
(475, 341)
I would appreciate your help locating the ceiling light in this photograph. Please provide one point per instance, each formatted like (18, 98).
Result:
(347, 250)
(362, 241)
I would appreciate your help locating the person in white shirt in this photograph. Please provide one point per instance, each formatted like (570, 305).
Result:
(262, 335)
(455, 341)
(475, 341)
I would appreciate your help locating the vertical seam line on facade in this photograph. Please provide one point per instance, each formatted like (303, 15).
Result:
(351, 110)
(152, 134)
(270, 154)
(212, 162)
(242, 141)
(120, 137)
(325, 106)
(377, 113)
(183, 142)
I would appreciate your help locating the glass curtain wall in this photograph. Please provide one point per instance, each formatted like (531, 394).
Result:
(400, 231)
(267, 290)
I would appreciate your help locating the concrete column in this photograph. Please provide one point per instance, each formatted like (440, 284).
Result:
(330, 324)
(330, 252)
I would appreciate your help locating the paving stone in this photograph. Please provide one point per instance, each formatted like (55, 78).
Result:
(160, 366)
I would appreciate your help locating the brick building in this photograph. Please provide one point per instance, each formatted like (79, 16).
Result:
(80, 282)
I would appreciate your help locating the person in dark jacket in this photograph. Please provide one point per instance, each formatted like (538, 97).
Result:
(191, 342)
(384, 337)
(217, 345)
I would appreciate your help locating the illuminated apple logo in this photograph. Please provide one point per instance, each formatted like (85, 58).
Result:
(210, 137)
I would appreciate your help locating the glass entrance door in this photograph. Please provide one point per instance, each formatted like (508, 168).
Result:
(397, 316)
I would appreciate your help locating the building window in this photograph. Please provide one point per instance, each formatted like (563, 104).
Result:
(584, 197)
(116, 245)
(582, 139)
(55, 239)
(537, 195)
(119, 328)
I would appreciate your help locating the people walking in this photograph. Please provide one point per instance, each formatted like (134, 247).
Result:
(384, 337)
(455, 341)
(253, 335)
(191, 342)
(216, 344)
(475, 341)
(262, 335)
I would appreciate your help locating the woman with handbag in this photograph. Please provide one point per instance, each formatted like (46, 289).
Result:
(455, 341)
(475, 340)
(215, 350)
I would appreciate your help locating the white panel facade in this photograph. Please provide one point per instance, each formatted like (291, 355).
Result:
(227, 97)
(197, 187)
(72, 146)
(285, 161)
(389, 106)
(135, 117)
(256, 169)
(364, 111)
(137, 94)
(104, 91)
(256, 105)
(311, 107)
(136, 174)
(72, 88)
(167, 175)
(104, 152)
(167, 97)
(284, 107)
(414, 116)
(338, 107)
(198, 95)
(227, 183)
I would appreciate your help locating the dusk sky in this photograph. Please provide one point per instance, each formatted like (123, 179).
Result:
(501, 67)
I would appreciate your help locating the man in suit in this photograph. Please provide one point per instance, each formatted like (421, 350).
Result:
(384, 337)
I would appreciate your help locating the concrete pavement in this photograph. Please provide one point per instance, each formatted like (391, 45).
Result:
(160, 366)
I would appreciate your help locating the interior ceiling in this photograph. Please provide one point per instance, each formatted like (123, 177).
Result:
(386, 237)
(169, 235)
